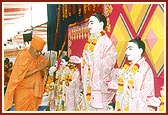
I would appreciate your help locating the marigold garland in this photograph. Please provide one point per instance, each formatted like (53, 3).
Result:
(161, 108)
(89, 46)
(130, 83)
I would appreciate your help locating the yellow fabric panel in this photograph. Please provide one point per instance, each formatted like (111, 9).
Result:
(140, 16)
(157, 27)
(125, 7)
(159, 13)
(122, 36)
(137, 14)
(156, 54)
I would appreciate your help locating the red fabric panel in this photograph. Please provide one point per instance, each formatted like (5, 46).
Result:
(158, 84)
(77, 47)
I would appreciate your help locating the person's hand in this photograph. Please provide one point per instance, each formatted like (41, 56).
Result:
(47, 62)
(131, 91)
(42, 73)
(153, 101)
(112, 86)
(42, 65)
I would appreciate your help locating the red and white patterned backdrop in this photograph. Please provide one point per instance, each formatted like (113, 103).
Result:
(77, 36)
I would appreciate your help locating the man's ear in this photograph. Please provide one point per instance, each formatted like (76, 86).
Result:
(141, 51)
(102, 24)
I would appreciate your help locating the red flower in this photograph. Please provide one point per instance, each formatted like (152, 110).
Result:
(137, 65)
(127, 62)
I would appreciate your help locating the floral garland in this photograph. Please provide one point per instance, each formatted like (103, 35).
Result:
(162, 97)
(91, 42)
(89, 46)
(161, 108)
(60, 97)
(128, 78)
(63, 78)
(69, 76)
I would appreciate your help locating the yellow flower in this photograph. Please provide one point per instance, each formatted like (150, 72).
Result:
(162, 98)
(118, 105)
(91, 48)
(88, 97)
(63, 79)
(161, 108)
(134, 69)
(125, 66)
(88, 89)
(90, 44)
(126, 108)
(88, 70)
(86, 46)
(120, 80)
(70, 78)
(88, 93)
(120, 84)
(94, 40)
(131, 82)
(83, 62)
(50, 79)
(89, 40)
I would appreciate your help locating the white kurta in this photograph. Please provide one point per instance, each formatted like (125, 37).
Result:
(101, 62)
(143, 82)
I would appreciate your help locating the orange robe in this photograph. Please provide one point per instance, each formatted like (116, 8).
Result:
(25, 93)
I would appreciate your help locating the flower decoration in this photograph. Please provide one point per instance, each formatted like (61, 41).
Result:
(126, 77)
(130, 83)
(135, 68)
(89, 47)
(50, 80)
(126, 108)
(120, 84)
(126, 66)
(88, 93)
(161, 108)
(118, 106)
(90, 44)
